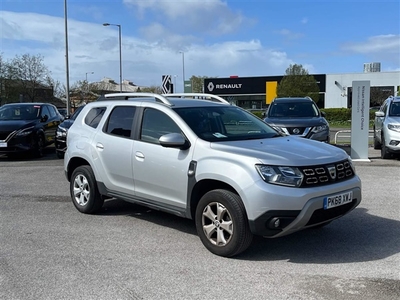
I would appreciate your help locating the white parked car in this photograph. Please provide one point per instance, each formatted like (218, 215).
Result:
(387, 127)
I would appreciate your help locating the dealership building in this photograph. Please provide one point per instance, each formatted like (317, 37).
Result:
(335, 89)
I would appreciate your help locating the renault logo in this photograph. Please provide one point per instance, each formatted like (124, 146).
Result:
(332, 172)
(210, 86)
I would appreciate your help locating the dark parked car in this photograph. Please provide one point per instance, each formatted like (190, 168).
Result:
(61, 133)
(63, 112)
(298, 116)
(27, 127)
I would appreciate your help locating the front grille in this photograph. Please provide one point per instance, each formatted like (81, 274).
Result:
(326, 174)
(296, 130)
(321, 215)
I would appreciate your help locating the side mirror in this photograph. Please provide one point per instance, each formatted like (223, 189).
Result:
(379, 114)
(45, 118)
(323, 114)
(174, 140)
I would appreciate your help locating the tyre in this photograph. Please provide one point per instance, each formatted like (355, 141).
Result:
(84, 192)
(60, 154)
(385, 154)
(222, 224)
(377, 145)
(38, 149)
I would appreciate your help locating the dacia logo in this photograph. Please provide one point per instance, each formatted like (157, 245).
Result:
(332, 172)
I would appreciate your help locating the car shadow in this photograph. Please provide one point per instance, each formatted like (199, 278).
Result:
(49, 153)
(358, 236)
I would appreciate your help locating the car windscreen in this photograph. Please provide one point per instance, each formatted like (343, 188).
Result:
(293, 110)
(394, 110)
(19, 112)
(225, 123)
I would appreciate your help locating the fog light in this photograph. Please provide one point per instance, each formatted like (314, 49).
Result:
(274, 223)
(394, 143)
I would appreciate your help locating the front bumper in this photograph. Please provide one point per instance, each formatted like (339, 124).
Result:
(295, 208)
(392, 141)
(18, 145)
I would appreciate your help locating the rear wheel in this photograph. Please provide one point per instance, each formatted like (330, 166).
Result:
(222, 224)
(84, 192)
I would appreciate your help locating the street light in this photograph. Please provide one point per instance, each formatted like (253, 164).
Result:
(120, 54)
(183, 69)
(87, 83)
(88, 73)
(175, 83)
(66, 57)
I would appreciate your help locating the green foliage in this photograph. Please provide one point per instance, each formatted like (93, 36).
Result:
(298, 83)
(198, 83)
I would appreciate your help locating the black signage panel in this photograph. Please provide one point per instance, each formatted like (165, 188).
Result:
(248, 85)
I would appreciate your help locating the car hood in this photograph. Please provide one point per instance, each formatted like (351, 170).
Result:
(66, 123)
(393, 120)
(296, 122)
(11, 125)
(288, 151)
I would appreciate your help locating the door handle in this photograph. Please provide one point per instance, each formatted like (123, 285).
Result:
(100, 146)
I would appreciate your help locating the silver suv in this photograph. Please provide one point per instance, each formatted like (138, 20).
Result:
(198, 157)
(387, 127)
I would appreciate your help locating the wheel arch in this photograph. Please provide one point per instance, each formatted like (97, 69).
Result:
(74, 163)
(204, 186)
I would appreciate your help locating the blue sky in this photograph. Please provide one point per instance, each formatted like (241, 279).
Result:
(219, 38)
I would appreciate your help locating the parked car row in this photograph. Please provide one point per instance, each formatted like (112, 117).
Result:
(387, 128)
(27, 128)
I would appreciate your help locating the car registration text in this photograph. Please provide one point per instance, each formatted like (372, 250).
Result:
(337, 200)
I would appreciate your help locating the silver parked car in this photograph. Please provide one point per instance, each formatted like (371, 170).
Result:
(198, 157)
(387, 127)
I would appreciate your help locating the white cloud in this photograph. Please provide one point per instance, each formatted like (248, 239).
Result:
(94, 48)
(211, 16)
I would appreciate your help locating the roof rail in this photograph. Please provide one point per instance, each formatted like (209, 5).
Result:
(198, 96)
(126, 96)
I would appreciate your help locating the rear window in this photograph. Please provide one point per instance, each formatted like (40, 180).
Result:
(94, 116)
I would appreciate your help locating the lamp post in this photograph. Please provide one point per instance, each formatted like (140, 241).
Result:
(175, 83)
(88, 73)
(66, 58)
(87, 83)
(183, 69)
(120, 53)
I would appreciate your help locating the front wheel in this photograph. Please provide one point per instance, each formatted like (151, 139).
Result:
(222, 224)
(38, 146)
(84, 192)
(377, 145)
(385, 154)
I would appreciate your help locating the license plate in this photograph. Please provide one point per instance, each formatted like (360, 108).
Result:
(338, 200)
(3, 145)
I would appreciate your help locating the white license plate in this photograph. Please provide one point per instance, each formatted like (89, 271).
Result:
(3, 145)
(337, 200)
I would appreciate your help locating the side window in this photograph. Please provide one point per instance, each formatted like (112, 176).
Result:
(120, 121)
(94, 116)
(52, 111)
(45, 111)
(155, 124)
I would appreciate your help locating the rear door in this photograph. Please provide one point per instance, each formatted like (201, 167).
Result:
(114, 146)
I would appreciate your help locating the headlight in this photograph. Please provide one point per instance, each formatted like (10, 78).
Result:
(317, 129)
(61, 131)
(288, 176)
(394, 127)
(26, 131)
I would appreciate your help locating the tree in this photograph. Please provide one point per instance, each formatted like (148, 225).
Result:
(198, 83)
(298, 83)
(151, 89)
(30, 74)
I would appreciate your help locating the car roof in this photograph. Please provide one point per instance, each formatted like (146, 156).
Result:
(293, 99)
(171, 100)
(26, 103)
